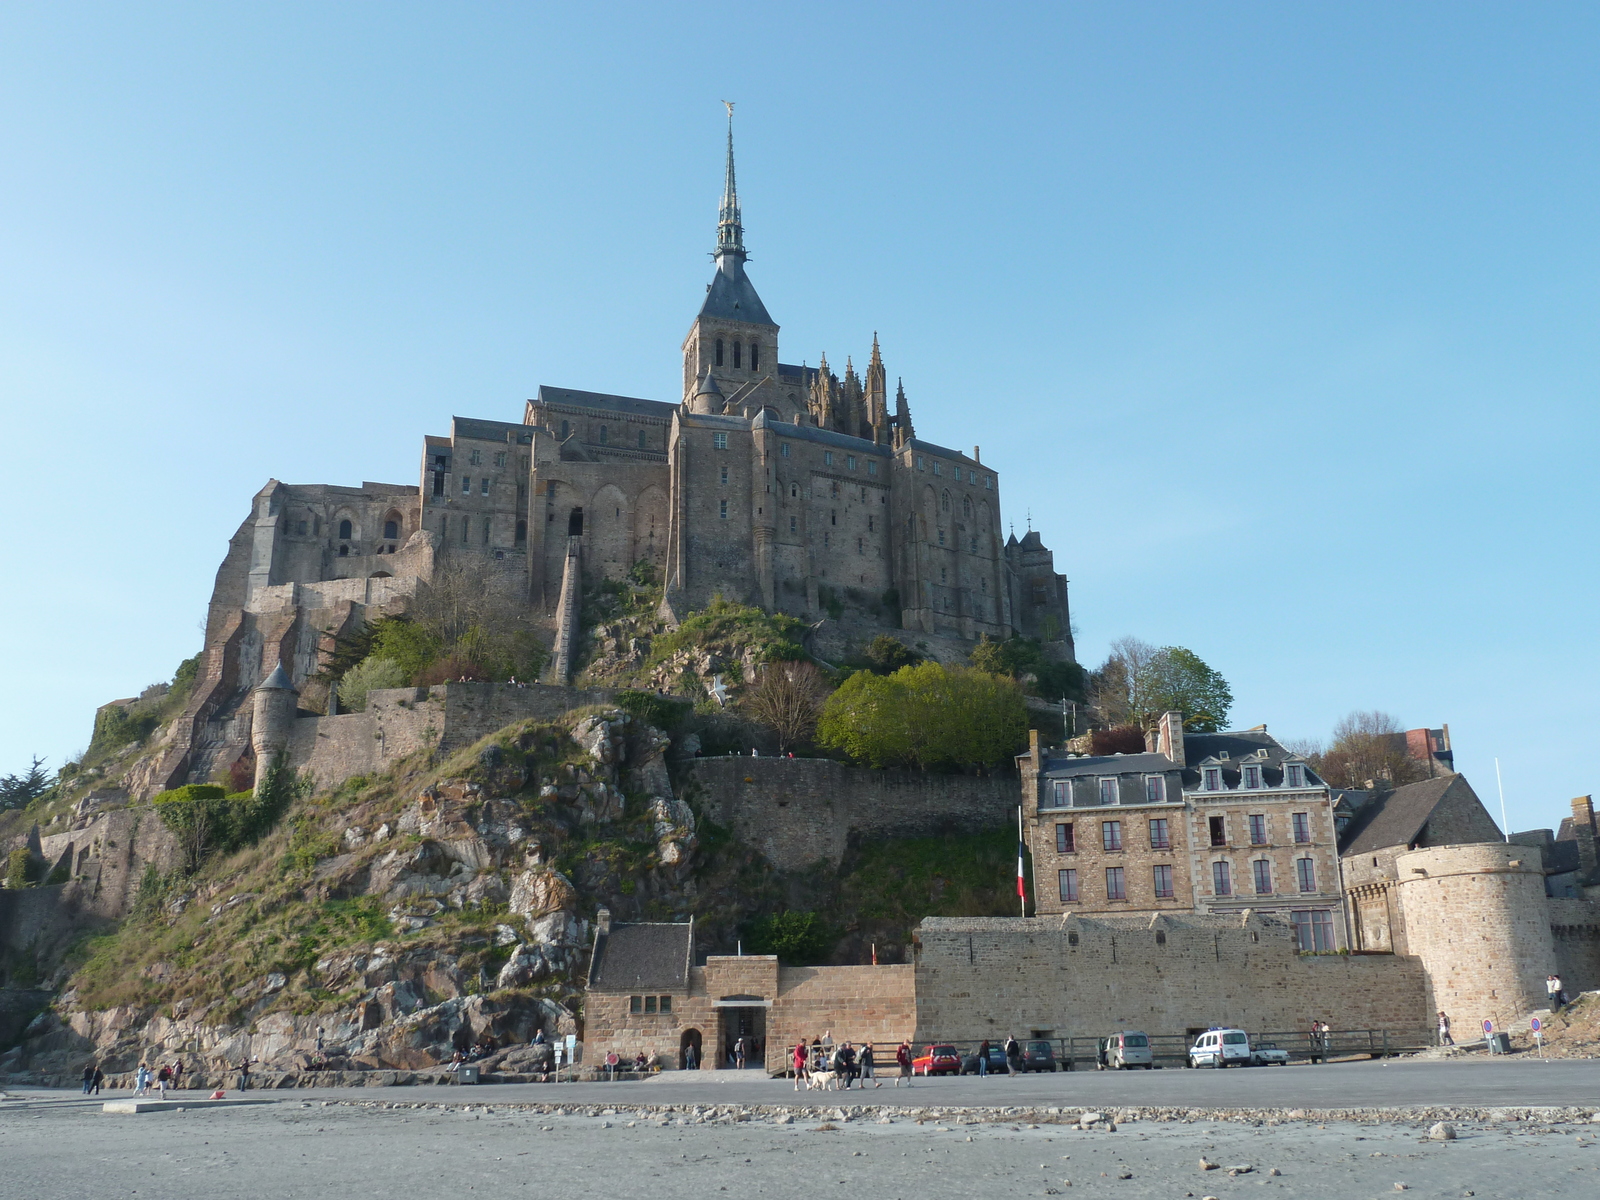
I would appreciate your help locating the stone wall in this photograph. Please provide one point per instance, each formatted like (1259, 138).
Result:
(1477, 919)
(798, 811)
(441, 719)
(1075, 976)
(1575, 932)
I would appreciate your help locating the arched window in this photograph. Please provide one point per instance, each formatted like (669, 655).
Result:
(719, 352)
(344, 528)
(344, 551)
(522, 532)
(641, 439)
(755, 356)
(966, 507)
(575, 523)
(566, 430)
(944, 502)
(736, 348)
(602, 435)
(794, 491)
(391, 528)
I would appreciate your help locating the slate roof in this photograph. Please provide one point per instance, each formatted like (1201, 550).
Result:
(278, 680)
(944, 452)
(811, 433)
(649, 956)
(1395, 818)
(625, 404)
(1107, 764)
(487, 431)
(732, 297)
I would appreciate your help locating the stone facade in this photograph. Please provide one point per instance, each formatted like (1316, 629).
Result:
(798, 811)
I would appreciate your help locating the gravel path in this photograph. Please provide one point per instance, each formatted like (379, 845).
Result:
(370, 1146)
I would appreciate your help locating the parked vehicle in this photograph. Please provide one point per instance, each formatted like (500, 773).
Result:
(1221, 1048)
(1038, 1056)
(1123, 1051)
(1267, 1054)
(997, 1061)
(937, 1060)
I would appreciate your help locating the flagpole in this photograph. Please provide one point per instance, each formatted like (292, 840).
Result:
(1022, 890)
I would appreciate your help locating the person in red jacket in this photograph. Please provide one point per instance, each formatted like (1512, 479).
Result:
(903, 1057)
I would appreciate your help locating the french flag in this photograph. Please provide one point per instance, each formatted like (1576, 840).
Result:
(1022, 889)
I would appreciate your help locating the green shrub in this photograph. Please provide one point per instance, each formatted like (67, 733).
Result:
(723, 623)
(661, 711)
(799, 939)
(206, 819)
(117, 725)
(408, 645)
(927, 716)
(370, 674)
(20, 871)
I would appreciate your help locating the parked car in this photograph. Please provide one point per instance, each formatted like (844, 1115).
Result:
(1038, 1056)
(1221, 1048)
(937, 1060)
(1267, 1054)
(1123, 1051)
(997, 1061)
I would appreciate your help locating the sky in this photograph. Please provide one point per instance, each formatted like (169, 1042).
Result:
(1278, 321)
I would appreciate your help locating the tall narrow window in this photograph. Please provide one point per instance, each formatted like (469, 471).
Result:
(1252, 777)
(1155, 789)
(1160, 838)
(791, 525)
(827, 458)
(1162, 878)
(1111, 835)
(783, 449)
(1063, 793)
(872, 466)
(724, 476)
(643, 437)
(719, 352)
(575, 523)
(1221, 879)
(522, 532)
(1302, 827)
(466, 530)
(1305, 874)
(1262, 870)
(1219, 831)
(1067, 884)
(755, 356)
(1258, 829)
(1116, 889)
(736, 349)
(483, 485)
(344, 529)
(466, 485)
(566, 430)
(722, 509)
(1064, 841)
(602, 435)
(486, 531)
(1213, 778)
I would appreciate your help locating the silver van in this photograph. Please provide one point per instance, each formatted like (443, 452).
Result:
(1123, 1051)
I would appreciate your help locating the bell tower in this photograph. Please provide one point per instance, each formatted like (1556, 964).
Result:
(733, 339)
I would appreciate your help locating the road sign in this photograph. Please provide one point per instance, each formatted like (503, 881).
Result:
(1536, 1025)
(1488, 1027)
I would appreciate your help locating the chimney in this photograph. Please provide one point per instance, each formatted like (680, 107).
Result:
(602, 920)
(1169, 736)
(1583, 829)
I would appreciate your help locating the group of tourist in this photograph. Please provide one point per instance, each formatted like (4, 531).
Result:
(168, 1075)
(640, 1063)
(847, 1063)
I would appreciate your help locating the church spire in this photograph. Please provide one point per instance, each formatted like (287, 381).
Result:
(730, 233)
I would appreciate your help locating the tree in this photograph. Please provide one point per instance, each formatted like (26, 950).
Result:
(369, 674)
(1368, 749)
(787, 698)
(799, 939)
(1138, 682)
(1025, 661)
(198, 814)
(19, 791)
(888, 654)
(927, 717)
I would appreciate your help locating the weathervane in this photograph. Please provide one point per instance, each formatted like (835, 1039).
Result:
(729, 104)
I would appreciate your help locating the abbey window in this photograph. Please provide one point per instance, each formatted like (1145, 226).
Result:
(475, 458)
(602, 435)
(736, 348)
(783, 449)
(484, 486)
(719, 441)
(345, 529)
(872, 466)
(719, 352)
(466, 485)
(755, 356)
(642, 438)
(566, 430)
(724, 476)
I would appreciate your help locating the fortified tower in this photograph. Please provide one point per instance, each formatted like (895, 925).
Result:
(272, 719)
(1477, 917)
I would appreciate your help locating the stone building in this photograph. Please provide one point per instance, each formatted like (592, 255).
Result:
(784, 486)
(1200, 823)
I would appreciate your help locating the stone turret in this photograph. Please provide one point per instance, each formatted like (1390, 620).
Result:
(275, 702)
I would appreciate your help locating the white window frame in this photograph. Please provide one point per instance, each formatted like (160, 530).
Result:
(1116, 790)
(850, 462)
(1211, 779)
(1252, 777)
(1155, 789)
(783, 449)
(719, 441)
(1294, 775)
(872, 466)
(1063, 793)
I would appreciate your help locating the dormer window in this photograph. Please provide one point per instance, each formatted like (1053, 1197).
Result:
(1213, 779)
(1294, 775)
(1108, 791)
(1063, 794)
(1252, 778)
(1155, 789)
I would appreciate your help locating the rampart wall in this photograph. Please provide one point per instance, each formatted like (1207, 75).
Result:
(1083, 976)
(799, 811)
(1575, 932)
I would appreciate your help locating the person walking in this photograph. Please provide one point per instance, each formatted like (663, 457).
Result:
(738, 1054)
(177, 1072)
(141, 1079)
(983, 1058)
(1013, 1056)
(800, 1056)
(1552, 987)
(244, 1074)
(867, 1067)
(88, 1078)
(902, 1056)
(164, 1080)
(847, 1063)
(99, 1078)
(1444, 1029)
(691, 1060)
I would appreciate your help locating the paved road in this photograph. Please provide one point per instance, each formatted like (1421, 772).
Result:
(1394, 1083)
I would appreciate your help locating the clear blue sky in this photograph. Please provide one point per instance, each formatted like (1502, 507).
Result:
(1280, 319)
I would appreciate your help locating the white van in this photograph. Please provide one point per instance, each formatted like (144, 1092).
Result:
(1123, 1051)
(1221, 1048)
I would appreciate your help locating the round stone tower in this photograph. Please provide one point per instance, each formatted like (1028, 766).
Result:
(1477, 917)
(275, 702)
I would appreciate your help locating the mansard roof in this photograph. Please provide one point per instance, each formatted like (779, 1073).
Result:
(732, 297)
(571, 398)
(1108, 764)
(1254, 744)
(649, 956)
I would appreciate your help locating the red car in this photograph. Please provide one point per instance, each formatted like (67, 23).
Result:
(939, 1060)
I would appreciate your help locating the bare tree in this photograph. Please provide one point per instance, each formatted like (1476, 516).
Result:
(1368, 750)
(787, 697)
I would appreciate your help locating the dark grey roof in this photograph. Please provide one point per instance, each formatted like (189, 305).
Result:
(732, 297)
(811, 433)
(1108, 764)
(708, 385)
(1395, 818)
(801, 373)
(278, 681)
(627, 404)
(943, 452)
(1245, 743)
(485, 431)
(647, 956)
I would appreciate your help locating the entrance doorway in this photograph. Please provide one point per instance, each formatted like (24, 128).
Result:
(737, 1022)
(690, 1041)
